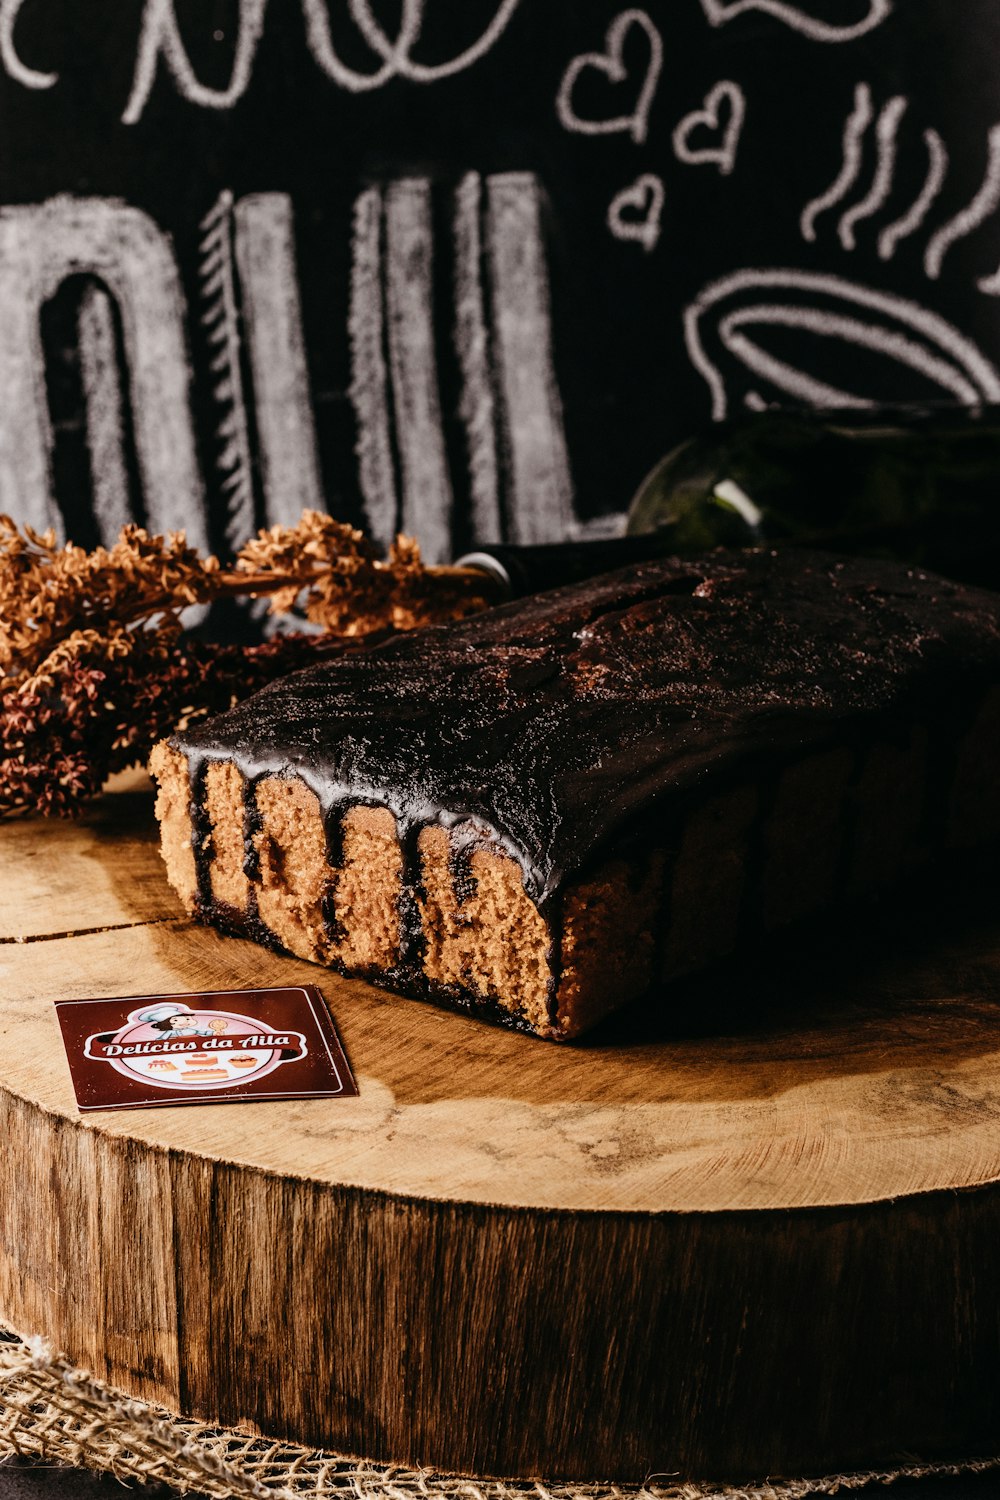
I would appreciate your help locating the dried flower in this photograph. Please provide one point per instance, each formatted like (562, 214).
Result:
(95, 665)
(340, 583)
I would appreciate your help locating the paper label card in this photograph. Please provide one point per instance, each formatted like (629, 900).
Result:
(223, 1046)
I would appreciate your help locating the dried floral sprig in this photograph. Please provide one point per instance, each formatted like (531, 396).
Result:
(103, 711)
(47, 592)
(95, 665)
(339, 581)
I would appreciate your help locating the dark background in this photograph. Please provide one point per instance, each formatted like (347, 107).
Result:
(627, 384)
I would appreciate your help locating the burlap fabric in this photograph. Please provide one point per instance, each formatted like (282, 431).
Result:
(54, 1412)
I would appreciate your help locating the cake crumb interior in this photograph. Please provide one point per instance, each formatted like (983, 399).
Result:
(495, 942)
(169, 768)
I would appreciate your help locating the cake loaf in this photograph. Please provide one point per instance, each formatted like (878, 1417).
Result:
(542, 812)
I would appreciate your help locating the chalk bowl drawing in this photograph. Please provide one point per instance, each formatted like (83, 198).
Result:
(819, 20)
(611, 67)
(710, 136)
(636, 212)
(763, 337)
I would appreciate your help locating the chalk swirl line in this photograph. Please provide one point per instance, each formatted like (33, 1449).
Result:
(160, 36)
(915, 215)
(398, 55)
(161, 32)
(718, 12)
(321, 46)
(854, 129)
(29, 78)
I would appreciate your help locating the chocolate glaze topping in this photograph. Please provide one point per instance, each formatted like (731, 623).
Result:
(562, 723)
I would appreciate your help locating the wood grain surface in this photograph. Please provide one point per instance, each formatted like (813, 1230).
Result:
(753, 1228)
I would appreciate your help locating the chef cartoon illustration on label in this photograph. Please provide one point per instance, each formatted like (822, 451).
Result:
(171, 1046)
(211, 1047)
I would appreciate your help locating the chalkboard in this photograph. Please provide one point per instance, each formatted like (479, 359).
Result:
(469, 269)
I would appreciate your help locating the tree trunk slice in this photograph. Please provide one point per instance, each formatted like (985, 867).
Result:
(768, 1248)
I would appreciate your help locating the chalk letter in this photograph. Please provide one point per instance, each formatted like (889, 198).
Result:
(18, 70)
(265, 258)
(39, 248)
(161, 34)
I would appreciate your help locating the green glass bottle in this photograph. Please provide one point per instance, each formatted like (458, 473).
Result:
(918, 484)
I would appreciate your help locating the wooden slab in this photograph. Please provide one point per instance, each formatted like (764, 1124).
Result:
(754, 1232)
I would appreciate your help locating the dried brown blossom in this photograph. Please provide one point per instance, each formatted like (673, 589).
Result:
(47, 592)
(339, 582)
(63, 733)
(95, 665)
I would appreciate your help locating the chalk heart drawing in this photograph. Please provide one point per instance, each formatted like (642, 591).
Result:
(725, 330)
(721, 116)
(611, 63)
(809, 20)
(635, 213)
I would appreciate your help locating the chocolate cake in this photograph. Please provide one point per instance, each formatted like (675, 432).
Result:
(542, 812)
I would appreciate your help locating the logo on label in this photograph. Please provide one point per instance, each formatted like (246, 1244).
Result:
(171, 1046)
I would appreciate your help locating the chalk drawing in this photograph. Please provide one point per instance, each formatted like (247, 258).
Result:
(990, 285)
(104, 414)
(635, 213)
(427, 498)
(398, 53)
(611, 64)
(977, 212)
(221, 321)
(915, 215)
(518, 469)
(29, 78)
(826, 324)
(160, 38)
(369, 389)
(477, 407)
(885, 135)
(324, 53)
(708, 118)
(804, 388)
(272, 319)
(800, 18)
(542, 489)
(136, 369)
(854, 129)
(830, 307)
(122, 248)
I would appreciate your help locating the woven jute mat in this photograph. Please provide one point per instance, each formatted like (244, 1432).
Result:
(55, 1413)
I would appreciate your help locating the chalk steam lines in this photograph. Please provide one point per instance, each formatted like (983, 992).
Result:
(983, 205)
(887, 122)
